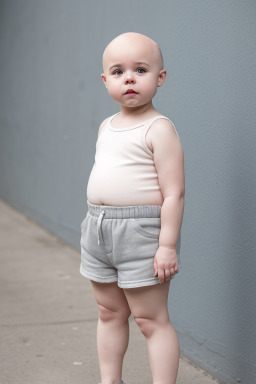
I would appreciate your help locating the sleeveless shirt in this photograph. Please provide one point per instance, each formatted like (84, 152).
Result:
(124, 172)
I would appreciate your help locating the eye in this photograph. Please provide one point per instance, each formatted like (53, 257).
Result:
(141, 70)
(117, 72)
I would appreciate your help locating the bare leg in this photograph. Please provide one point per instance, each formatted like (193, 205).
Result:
(112, 331)
(149, 308)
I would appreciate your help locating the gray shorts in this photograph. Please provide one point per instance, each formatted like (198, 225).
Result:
(118, 244)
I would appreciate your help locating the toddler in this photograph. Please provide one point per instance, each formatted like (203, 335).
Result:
(135, 196)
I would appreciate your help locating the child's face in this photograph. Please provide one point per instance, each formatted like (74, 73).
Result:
(132, 63)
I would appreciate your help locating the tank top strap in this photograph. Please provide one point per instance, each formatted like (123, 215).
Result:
(107, 123)
(149, 122)
(111, 117)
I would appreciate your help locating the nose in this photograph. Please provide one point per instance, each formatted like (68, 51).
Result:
(129, 78)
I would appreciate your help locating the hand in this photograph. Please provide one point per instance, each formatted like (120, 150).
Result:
(165, 263)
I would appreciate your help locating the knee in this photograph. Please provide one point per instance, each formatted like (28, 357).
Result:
(145, 325)
(106, 314)
(149, 326)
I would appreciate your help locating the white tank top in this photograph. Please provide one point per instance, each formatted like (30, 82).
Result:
(124, 172)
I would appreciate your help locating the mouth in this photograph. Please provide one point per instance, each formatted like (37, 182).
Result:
(130, 91)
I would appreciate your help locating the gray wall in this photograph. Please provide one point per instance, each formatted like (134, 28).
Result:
(52, 101)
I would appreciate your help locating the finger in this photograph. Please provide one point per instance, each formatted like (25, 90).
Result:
(167, 273)
(161, 275)
(155, 268)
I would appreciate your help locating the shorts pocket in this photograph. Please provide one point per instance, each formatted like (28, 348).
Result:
(147, 226)
(84, 221)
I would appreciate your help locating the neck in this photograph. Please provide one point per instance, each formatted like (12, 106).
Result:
(136, 111)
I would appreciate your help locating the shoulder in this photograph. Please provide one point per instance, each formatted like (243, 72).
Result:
(162, 131)
(102, 125)
(163, 126)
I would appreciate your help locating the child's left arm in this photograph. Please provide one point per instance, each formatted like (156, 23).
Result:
(169, 163)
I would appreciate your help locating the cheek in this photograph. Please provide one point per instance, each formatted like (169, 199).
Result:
(114, 91)
(150, 88)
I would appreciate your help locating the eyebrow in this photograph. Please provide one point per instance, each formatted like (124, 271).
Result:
(120, 65)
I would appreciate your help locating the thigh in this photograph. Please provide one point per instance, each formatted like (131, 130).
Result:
(148, 302)
(110, 296)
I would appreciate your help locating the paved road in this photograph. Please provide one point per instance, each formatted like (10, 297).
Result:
(48, 316)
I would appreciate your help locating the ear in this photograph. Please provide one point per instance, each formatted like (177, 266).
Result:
(161, 78)
(103, 76)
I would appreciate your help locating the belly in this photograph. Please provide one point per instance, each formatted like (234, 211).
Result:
(118, 188)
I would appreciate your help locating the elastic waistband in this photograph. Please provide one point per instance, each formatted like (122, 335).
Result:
(126, 212)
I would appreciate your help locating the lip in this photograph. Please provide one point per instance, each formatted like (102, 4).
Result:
(130, 92)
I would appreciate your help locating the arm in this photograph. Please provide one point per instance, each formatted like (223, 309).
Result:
(169, 162)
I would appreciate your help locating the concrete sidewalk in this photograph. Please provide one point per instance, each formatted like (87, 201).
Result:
(49, 316)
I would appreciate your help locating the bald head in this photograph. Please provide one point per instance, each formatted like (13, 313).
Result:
(132, 43)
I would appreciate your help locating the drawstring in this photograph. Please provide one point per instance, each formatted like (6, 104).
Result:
(99, 221)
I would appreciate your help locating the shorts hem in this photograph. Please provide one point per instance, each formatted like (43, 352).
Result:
(98, 279)
(137, 284)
